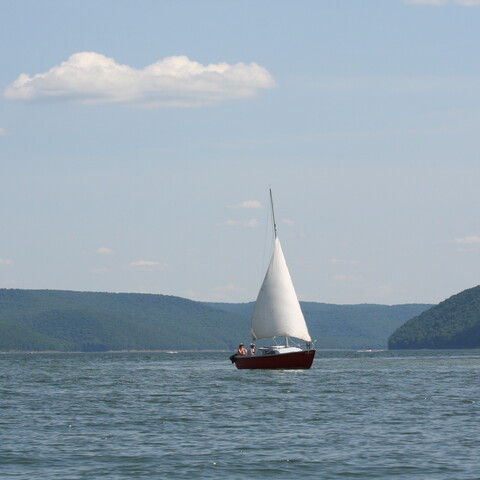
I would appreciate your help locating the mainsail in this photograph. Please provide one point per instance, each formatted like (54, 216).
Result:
(277, 311)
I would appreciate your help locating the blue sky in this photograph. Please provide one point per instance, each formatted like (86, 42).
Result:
(138, 141)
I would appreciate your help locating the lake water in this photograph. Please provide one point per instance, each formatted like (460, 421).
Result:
(354, 415)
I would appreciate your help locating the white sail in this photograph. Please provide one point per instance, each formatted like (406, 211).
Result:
(277, 310)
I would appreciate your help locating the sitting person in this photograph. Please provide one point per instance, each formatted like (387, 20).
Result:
(253, 349)
(241, 350)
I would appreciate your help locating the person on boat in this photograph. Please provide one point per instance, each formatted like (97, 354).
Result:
(253, 349)
(241, 350)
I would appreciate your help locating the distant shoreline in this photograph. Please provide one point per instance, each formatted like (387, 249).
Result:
(171, 351)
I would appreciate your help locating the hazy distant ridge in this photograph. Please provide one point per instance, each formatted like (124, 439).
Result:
(39, 320)
(86, 321)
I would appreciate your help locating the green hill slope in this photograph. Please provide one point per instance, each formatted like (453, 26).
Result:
(346, 326)
(13, 336)
(86, 321)
(40, 320)
(453, 323)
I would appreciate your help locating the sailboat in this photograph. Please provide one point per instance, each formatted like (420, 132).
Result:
(277, 313)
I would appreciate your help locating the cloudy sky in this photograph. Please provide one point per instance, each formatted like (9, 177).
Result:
(138, 141)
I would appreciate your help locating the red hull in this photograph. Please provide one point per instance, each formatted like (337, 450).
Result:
(302, 359)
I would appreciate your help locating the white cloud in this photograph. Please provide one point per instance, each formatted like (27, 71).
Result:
(191, 294)
(3, 132)
(228, 288)
(242, 223)
(224, 293)
(93, 78)
(466, 3)
(6, 261)
(425, 2)
(147, 264)
(288, 222)
(342, 261)
(105, 251)
(348, 278)
(386, 289)
(249, 204)
(467, 240)
(100, 270)
(251, 223)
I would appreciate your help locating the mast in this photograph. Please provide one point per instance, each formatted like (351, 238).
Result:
(273, 214)
(276, 235)
(277, 311)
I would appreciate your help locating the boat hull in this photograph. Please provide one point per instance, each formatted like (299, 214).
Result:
(282, 361)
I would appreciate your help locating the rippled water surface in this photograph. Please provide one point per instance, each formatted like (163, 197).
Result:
(354, 415)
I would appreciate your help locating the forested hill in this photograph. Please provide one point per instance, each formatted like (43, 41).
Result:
(41, 320)
(453, 323)
(84, 321)
(364, 326)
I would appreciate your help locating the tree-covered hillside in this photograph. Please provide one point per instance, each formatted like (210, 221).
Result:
(87, 321)
(346, 326)
(453, 323)
(40, 320)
